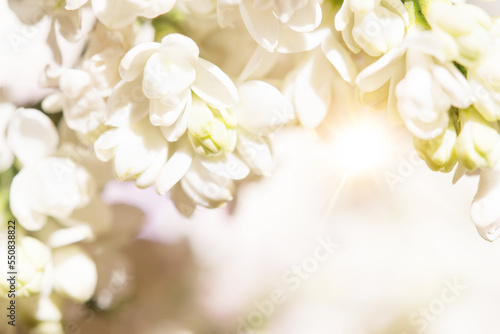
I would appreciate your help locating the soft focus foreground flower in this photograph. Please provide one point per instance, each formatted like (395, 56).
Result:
(372, 26)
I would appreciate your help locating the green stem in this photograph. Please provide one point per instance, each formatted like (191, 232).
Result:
(415, 10)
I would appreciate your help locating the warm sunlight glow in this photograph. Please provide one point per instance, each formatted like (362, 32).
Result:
(361, 148)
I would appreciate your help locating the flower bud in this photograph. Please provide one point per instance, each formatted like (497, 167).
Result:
(439, 152)
(478, 144)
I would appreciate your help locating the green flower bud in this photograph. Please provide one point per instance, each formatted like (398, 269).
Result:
(210, 130)
(439, 152)
(478, 144)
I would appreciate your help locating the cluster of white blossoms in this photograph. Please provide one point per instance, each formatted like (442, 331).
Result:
(184, 96)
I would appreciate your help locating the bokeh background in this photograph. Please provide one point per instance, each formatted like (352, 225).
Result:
(398, 253)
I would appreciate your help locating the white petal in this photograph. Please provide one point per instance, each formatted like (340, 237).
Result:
(259, 64)
(164, 77)
(263, 26)
(262, 108)
(228, 165)
(343, 17)
(177, 46)
(397, 7)
(292, 41)
(307, 18)
(150, 9)
(205, 188)
(485, 211)
(149, 176)
(70, 23)
(378, 73)
(70, 235)
(418, 104)
(31, 135)
(20, 206)
(349, 39)
(74, 4)
(340, 58)
(106, 144)
(184, 204)
(175, 168)
(213, 85)
(174, 132)
(132, 64)
(362, 6)
(313, 91)
(126, 104)
(6, 156)
(161, 114)
(284, 9)
(367, 32)
(426, 42)
(75, 273)
(256, 152)
(139, 150)
(454, 84)
(113, 14)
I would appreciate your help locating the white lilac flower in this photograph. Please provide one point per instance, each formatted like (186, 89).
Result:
(159, 78)
(374, 26)
(222, 145)
(83, 90)
(423, 85)
(50, 187)
(42, 140)
(65, 21)
(209, 181)
(463, 30)
(281, 25)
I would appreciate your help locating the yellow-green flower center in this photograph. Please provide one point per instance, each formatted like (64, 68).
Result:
(211, 130)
